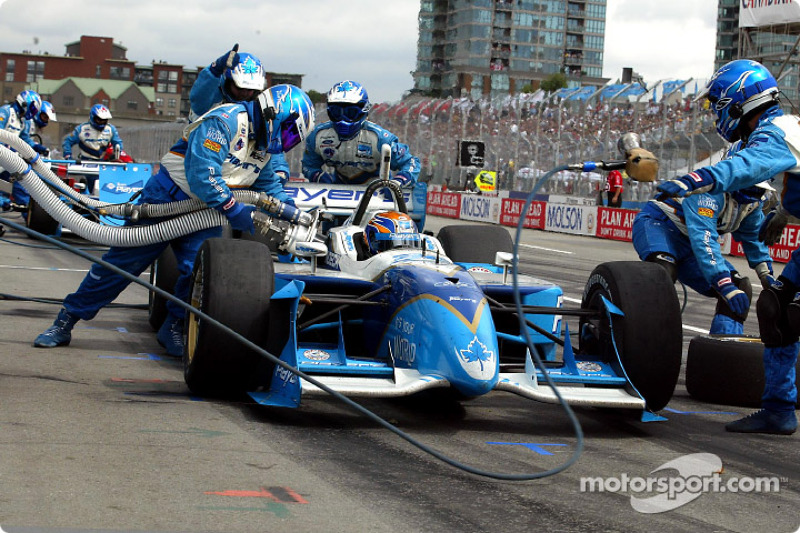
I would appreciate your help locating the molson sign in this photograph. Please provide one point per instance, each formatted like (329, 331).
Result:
(755, 13)
(576, 219)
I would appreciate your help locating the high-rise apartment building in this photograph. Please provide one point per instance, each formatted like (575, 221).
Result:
(774, 46)
(491, 47)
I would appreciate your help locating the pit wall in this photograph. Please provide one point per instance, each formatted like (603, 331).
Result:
(566, 214)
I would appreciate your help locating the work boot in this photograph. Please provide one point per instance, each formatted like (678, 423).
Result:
(59, 334)
(170, 336)
(765, 421)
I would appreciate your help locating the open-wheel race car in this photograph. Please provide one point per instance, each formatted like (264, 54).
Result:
(425, 312)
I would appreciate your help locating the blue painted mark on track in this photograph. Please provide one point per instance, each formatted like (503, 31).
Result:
(534, 446)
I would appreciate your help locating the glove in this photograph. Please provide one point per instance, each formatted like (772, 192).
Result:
(226, 60)
(402, 180)
(67, 156)
(772, 228)
(41, 149)
(290, 201)
(323, 177)
(240, 216)
(736, 299)
(764, 272)
(691, 183)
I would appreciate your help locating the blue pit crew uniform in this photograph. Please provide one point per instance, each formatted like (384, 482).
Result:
(356, 160)
(12, 121)
(92, 143)
(687, 230)
(213, 156)
(772, 150)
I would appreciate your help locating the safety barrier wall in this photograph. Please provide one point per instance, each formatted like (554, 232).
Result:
(565, 214)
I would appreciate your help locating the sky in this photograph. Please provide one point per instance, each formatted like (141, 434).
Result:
(370, 41)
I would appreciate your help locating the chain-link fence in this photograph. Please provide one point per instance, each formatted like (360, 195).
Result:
(522, 139)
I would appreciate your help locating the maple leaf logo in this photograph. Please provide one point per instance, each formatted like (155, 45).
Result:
(476, 352)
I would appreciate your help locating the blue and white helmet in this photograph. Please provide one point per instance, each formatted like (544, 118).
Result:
(348, 108)
(736, 89)
(248, 73)
(30, 103)
(99, 115)
(283, 116)
(46, 115)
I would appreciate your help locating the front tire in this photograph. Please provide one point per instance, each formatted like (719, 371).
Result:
(649, 337)
(232, 282)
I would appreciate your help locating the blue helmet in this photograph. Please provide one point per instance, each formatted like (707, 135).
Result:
(736, 89)
(99, 116)
(282, 117)
(348, 108)
(248, 73)
(46, 115)
(388, 230)
(30, 103)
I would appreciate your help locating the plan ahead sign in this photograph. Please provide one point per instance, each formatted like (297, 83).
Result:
(757, 13)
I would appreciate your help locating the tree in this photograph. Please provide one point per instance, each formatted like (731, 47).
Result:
(317, 97)
(554, 82)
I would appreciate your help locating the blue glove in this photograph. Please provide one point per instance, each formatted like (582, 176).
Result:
(736, 299)
(324, 177)
(772, 228)
(290, 201)
(691, 183)
(42, 149)
(765, 274)
(240, 216)
(402, 180)
(226, 60)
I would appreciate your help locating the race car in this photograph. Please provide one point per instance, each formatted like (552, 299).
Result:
(434, 312)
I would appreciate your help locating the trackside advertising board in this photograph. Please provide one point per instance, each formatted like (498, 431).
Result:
(480, 208)
(511, 209)
(444, 204)
(577, 219)
(616, 224)
(782, 250)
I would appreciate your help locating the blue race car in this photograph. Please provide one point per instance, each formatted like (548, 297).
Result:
(421, 313)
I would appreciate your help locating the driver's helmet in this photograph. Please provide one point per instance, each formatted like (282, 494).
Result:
(388, 230)
(247, 74)
(282, 117)
(46, 115)
(736, 89)
(348, 108)
(30, 103)
(99, 116)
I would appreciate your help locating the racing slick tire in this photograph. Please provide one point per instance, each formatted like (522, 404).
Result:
(40, 220)
(726, 370)
(163, 274)
(474, 243)
(232, 282)
(649, 336)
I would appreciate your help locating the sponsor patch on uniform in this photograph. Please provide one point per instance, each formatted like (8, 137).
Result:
(705, 212)
(211, 145)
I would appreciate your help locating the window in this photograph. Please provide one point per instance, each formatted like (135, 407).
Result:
(172, 103)
(68, 101)
(159, 102)
(132, 105)
(35, 71)
(10, 67)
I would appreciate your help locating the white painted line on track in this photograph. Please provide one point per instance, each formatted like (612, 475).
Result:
(546, 249)
(18, 267)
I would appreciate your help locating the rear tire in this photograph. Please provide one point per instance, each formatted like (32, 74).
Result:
(474, 243)
(232, 282)
(40, 220)
(649, 337)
